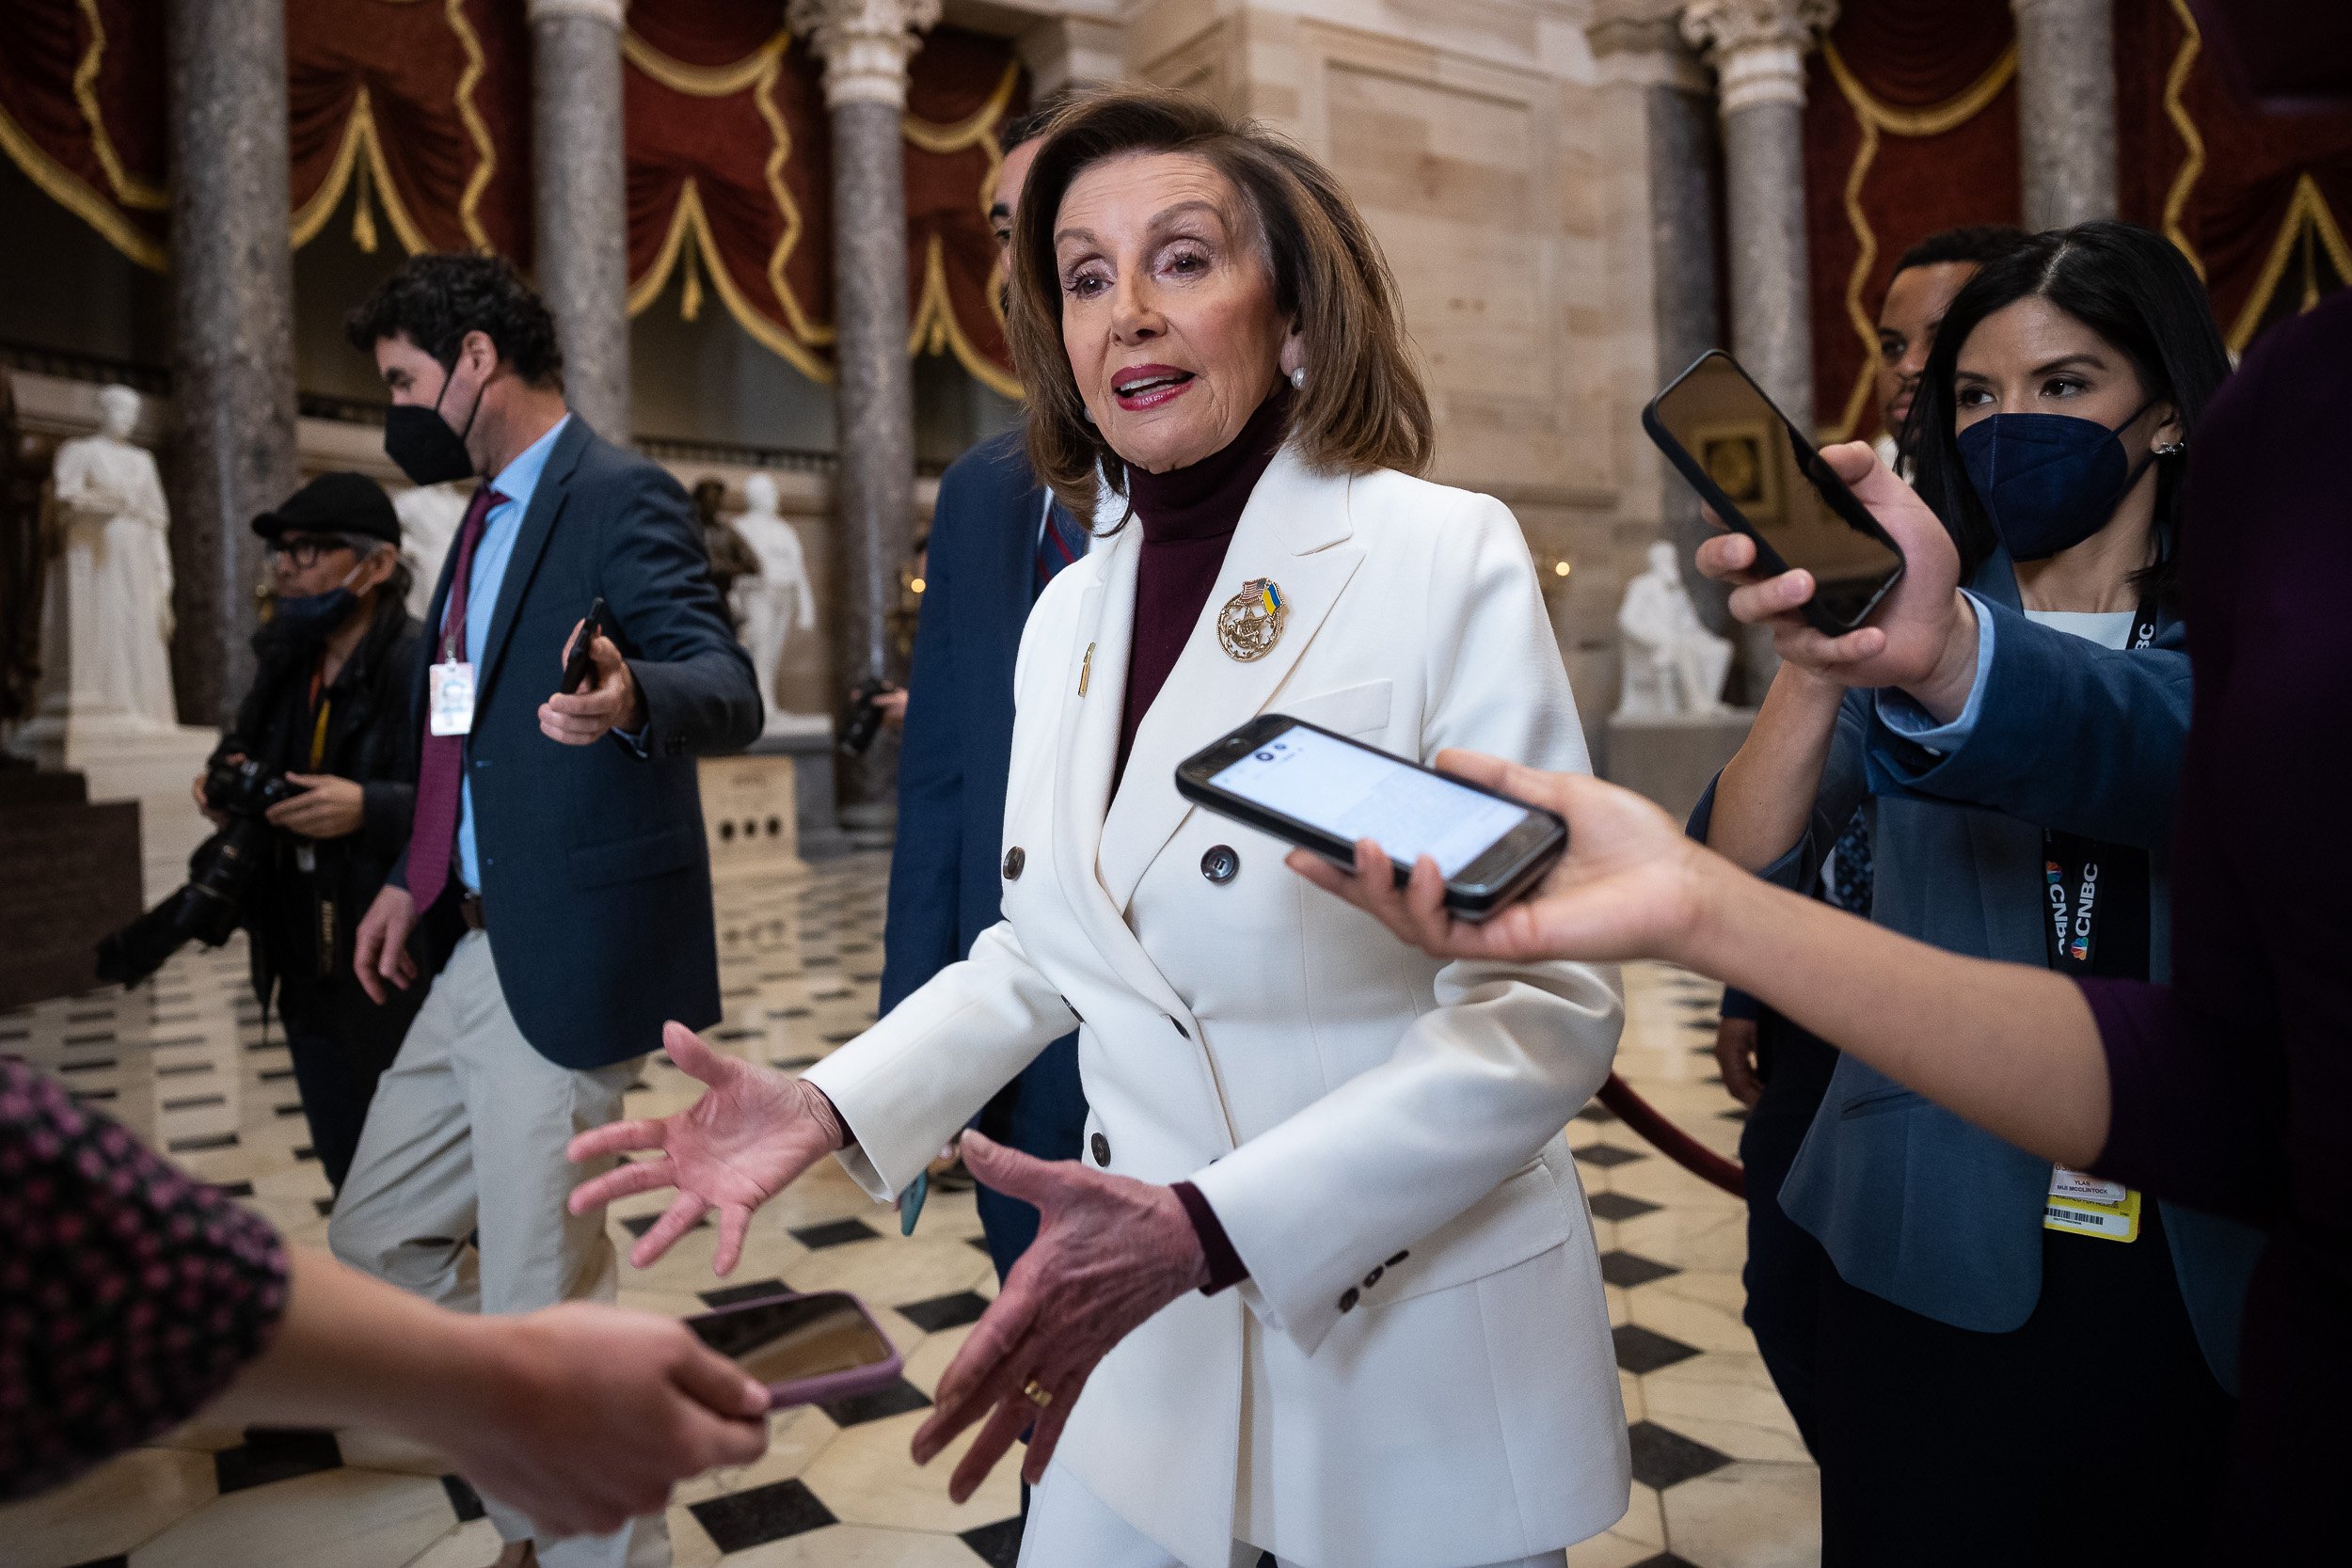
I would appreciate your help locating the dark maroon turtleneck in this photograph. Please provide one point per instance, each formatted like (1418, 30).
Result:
(1188, 516)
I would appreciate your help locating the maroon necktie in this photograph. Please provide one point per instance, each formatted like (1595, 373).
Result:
(441, 763)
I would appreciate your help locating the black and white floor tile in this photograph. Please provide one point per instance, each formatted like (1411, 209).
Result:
(1721, 1479)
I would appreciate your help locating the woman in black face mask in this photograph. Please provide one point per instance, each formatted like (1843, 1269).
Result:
(2019, 1362)
(328, 709)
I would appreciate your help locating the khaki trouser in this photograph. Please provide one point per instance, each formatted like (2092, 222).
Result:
(422, 1183)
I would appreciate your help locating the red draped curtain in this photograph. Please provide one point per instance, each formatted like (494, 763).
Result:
(1911, 126)
(424, 107)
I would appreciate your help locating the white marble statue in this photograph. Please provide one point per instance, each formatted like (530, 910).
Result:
(110, 644)
(429, 518)
(1674, 666)
(779, 600)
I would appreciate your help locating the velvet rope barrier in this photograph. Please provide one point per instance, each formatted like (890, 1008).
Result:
(1670, 1140)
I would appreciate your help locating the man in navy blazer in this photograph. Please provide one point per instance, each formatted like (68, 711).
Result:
(992, 546)
(558, 856)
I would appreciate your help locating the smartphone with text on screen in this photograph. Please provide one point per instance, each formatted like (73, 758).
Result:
(1324, 791)
(807, 1349)
(1759, 475)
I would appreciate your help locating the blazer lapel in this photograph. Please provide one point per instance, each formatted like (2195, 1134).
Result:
(1294, 532)
(530, 542)
(1085, 750)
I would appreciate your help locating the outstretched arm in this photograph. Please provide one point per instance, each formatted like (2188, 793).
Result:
(583, 1416)
(2012, 1049)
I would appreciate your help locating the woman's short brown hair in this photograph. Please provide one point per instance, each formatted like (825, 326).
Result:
(1363, 407)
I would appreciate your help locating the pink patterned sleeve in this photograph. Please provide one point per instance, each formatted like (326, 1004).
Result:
(129, 1295)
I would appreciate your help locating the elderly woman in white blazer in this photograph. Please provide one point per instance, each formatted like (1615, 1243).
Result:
(1414, 1370)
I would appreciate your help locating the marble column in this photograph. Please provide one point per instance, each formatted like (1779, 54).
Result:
(1757, 48)
(2066, 110)
(233, 410)
(866, 45)
(581, 197)
(1645, 55)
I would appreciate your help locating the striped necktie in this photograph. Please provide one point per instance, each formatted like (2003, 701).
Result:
(1060, 542)
(441, 760)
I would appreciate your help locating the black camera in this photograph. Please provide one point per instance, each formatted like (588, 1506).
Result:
(862, 717)
(219, 873)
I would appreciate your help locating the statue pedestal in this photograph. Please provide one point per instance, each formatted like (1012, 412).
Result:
(751, 816)
(1672, 759)
(126, 759)
(806, 742)
(73, 878)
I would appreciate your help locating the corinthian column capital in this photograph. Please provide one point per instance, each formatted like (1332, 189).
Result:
(1757, 47)
(865, 44)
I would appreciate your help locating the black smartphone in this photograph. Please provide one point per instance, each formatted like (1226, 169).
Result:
(807, 1349)
(1761, 476)
(583, 657)
(1324, 791)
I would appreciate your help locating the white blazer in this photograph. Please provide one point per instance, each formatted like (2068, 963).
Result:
(1417, 1372)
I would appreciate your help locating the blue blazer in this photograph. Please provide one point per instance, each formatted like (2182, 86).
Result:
(956, 751)
(1914, 1204)
(595, 878)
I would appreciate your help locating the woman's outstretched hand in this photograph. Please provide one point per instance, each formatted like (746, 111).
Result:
(733, 1150)
(1629, 887)
(1922, 637)
(1110, 1251)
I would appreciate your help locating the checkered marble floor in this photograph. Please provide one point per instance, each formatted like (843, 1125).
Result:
(1721, 1480)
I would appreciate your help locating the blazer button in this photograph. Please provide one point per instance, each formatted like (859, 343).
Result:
(1220, 865)
(1348, 1299)
(1101, 1147)
(1014, 861)
(1373, 1278)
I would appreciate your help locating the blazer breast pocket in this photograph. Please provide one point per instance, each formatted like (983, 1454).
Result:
(1350, 710)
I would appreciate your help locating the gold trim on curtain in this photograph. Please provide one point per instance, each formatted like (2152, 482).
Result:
(129, 189)
(758, 72)
(359, 134)
(1875, 116)
(2306, 210)
(933, 323)
(2193, 160)
(687, 223)
(933, 327)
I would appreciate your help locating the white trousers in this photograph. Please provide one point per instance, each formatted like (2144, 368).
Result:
(1071, 1528)
(466, 1137)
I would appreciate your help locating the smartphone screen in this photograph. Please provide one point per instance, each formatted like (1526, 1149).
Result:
(795, 1338)
(1767, 468)
(1353, 792)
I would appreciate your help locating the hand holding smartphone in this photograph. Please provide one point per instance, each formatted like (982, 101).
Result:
(582, 658)
(1323, 791)
(1760, 475)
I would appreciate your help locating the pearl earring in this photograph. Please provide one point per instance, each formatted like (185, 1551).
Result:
(1298, 379)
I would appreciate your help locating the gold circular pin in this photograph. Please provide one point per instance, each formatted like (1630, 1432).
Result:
(1251, 622)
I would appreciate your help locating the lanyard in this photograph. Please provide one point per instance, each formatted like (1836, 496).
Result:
(2073, 867)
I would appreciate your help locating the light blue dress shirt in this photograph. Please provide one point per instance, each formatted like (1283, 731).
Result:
(515, 481)
(1906, 718)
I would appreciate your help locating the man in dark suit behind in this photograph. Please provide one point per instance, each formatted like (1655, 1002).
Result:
(994, 544)
(557, 856)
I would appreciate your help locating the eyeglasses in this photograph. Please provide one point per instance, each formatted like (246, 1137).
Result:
(304, 550)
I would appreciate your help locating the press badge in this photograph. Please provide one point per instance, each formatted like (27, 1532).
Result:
(2089, 1206)
(448, 694)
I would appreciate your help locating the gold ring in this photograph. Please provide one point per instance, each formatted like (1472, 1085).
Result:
(1036, 1393)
